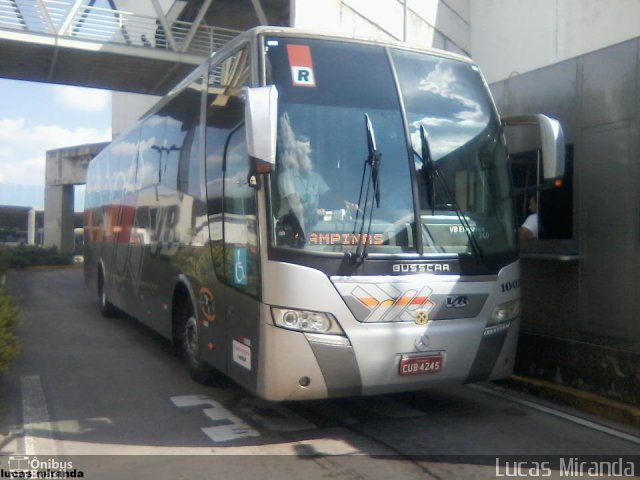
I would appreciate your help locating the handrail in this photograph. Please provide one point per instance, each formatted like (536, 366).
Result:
(77, 20)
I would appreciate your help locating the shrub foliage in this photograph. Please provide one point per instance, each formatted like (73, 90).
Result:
(30, 255)
(9, 317)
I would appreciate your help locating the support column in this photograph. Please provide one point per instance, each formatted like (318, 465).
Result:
(58, 217)
(31, 227)
(65, 168)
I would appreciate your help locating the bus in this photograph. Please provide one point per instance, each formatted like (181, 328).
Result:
(318, 216)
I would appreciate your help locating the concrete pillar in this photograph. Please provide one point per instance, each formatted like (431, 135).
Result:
(31, 227)
(65, 168)
(58, 217)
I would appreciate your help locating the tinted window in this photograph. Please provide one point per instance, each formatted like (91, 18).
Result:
(179, 150)
(467, 169)
(151, 151)
(319, 189)
(240, 227)
(224, 112)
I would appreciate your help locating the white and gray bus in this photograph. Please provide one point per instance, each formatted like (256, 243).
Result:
(317, 216)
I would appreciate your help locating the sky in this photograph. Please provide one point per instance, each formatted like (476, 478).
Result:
(36, 117)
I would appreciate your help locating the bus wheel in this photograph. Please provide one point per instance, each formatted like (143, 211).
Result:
(106, 307)
(199, 371)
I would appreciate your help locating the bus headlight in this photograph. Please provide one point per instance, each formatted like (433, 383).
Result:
(306, 321)
(505, 312)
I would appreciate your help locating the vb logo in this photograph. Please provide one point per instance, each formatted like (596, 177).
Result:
(457, 301)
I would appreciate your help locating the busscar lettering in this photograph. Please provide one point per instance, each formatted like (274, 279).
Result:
(420, 267)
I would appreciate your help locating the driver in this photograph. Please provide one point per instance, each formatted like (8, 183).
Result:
(299, 185)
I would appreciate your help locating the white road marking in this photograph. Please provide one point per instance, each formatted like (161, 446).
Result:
(191, 400)
(227, 433)
(233, 427)
(35, 415)
(557, 413)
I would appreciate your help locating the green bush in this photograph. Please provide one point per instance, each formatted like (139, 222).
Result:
(3, 267)
(9, 317)
(30, 255)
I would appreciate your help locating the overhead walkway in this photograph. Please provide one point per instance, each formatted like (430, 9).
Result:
(93, 44)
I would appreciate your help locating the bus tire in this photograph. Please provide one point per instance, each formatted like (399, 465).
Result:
(189, 338)
(106, 307)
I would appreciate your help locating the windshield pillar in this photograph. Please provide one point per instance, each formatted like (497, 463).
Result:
(415, 192)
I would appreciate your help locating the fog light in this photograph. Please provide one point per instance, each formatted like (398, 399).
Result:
(304, 381)
(505, 312)
(304, 321)
(320, 323)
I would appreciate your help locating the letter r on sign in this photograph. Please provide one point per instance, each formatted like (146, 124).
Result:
(303, 77)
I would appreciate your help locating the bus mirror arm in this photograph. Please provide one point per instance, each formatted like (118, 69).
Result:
(551, 138)
(261, 121)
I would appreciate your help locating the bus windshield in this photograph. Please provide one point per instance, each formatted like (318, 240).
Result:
(326, 196)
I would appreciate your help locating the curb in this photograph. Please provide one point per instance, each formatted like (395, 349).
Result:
(613, 410)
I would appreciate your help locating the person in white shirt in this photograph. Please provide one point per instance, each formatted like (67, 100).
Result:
(299, 185)
(530, 228)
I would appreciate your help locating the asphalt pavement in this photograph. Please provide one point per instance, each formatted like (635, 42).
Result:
(112, 391)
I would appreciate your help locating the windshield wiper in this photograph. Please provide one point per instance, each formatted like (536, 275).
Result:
(434, 172)
(373, 162)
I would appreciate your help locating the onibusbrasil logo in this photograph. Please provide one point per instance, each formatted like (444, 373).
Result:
(34, 467)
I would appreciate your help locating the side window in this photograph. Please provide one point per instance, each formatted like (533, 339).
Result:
(150, 153)
(552, 208)
(169, 144)
(181, 160)
(556, 205)
(189, 173)
(240, 227)
(170, 152)
(123, 163)
(224, 112)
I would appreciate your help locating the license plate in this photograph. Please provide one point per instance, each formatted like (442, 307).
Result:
(420, 365)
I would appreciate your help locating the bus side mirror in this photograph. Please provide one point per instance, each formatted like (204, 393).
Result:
(261, 121)
(551, 138)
